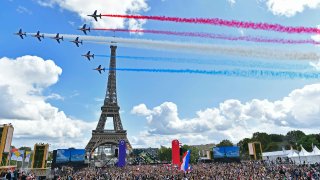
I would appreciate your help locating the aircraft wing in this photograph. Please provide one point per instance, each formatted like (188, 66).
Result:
(99, 71)
(77, 44)
(39, 38)
(85, 32)
(21, 36)
(95, 18)
(88, 57)
(58, 41)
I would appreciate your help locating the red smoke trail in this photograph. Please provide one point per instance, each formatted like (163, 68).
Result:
(216, 36)
(228, 23)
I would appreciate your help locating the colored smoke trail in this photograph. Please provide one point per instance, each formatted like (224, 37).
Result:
(227, 23)
(217, 36)
(233, 73)
(217, 62)
(197, 48)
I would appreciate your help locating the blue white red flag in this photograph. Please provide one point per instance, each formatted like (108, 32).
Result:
(185, 161)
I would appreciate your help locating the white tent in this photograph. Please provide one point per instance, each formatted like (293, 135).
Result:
(315, 151)
(272, 156)
(314, 156)
(297, 157)
(304, 155)
(294, 156)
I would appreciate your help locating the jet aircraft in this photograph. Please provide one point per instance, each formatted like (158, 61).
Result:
(84, 29)
(94, 15)
(76, 41)
(88, 55)
(39, 36)
(100, 69)
(21, 34)
(58, 38)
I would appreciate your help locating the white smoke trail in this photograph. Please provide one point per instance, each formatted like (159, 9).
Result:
(263, 53)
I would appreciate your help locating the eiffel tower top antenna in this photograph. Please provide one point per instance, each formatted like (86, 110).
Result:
(114, 37)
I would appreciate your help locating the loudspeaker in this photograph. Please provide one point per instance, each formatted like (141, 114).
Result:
(116, 152)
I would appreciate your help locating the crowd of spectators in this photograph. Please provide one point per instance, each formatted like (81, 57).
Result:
(218, 171)
(15, 174)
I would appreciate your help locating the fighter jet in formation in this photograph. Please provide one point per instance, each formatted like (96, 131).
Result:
(84, 29)
(58, 38)
(38, 36)
(100, 69)
(94, 15)
(88, 55)
(76, 41)
(21, 34)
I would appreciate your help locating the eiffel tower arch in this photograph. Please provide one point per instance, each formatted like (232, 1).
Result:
(109, 110)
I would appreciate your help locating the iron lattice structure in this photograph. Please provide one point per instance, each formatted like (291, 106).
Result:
(110, 108)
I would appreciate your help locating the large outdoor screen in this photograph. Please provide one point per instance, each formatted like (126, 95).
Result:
(77, 155)
(226, 152)
(218, 152)
(232, 151)
(63, 155)
(67, 155)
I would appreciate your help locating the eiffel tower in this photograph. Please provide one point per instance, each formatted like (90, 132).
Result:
(110, 109)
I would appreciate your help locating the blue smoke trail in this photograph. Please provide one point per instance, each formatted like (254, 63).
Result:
(233, 73)
(234, 63)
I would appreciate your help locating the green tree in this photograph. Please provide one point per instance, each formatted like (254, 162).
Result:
(277, 137)
(307, 141)
(165, 154)
(263, 138)
(293, 137)
(273, 146)
(25, 148)
(244, 149)
(194, 152)
(225, 142)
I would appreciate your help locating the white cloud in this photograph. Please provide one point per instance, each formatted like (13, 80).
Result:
(290, 8)
(55, 96)
(22, 9)
(231, 2)
(85, 7)
(233, 119)
(22, 81)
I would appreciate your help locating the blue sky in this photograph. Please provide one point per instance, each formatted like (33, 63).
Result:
(155, 107)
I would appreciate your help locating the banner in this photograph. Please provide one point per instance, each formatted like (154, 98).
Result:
(122, 154)
(20, 158)
(8, 139)
(17, 154)
(251, 151)
(28, 154)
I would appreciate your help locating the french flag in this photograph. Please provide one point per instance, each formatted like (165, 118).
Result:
(185, 161)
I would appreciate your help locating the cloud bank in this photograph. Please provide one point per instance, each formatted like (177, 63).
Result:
(232, 119)
(22, 83)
